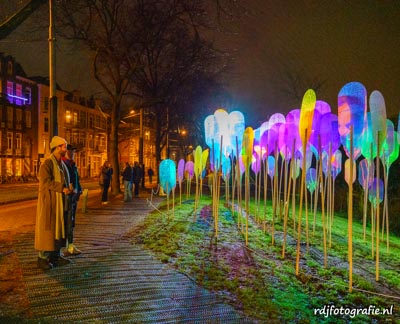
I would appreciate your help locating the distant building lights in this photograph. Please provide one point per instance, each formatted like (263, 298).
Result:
(17, 97)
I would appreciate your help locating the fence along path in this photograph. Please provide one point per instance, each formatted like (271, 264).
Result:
(114, 280)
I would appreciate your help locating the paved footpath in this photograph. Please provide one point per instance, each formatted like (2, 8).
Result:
(114, 280)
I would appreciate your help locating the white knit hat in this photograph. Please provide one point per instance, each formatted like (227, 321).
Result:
(57, 140)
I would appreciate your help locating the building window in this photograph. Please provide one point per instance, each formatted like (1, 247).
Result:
(82, 119)
(46, 105)
(18, 167)
(18, 141)
(10, 117)
(97, 121)
(75, 121)
(18, 117)
(9, 140)
(68, 116)
(9, 168)
(103, 123)
(10, 68)
(10, 91)
(28, 95)
(46, 125)
(28, 119)
(90, 121)
(18, 95)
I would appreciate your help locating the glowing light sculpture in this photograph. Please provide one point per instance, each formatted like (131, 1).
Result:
(189, 172)
(167, 174)
(181, 173)
(378, 119)
(305, 127)
(390, 153)
(247, 154)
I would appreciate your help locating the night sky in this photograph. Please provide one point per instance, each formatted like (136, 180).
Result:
(333, 42)
(328, 42)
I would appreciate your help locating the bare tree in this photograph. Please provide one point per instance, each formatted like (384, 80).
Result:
(174, 55)
(17, 18)
(107, 29)
(149, 50)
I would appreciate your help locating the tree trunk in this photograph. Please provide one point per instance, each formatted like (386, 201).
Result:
(113, 157)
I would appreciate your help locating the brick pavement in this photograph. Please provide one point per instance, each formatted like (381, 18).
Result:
(114, 280)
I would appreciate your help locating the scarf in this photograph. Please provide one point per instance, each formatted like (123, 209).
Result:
(57, 170)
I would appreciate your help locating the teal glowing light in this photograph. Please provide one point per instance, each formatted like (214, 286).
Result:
(167, 173)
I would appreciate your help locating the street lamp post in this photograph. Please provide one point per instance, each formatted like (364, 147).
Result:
(52, 76)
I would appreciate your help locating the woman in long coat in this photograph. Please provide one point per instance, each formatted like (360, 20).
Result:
(53, 185)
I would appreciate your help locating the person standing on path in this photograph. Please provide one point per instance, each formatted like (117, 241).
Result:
(53, 186)
(127, 177)
(69, 160)
(105, 181)
(137, 177)
(150, 173)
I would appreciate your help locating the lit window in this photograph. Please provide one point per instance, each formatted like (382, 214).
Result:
(18, 95)
(18, 141)
(9, 140)
(68, 116)
(75, 119)
(10, 91)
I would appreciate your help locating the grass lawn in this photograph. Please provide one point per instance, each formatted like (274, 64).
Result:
(258, 280)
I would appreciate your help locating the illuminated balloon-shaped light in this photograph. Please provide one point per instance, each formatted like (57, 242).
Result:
(209, 129)
(167, 174)
(347, 171)
(372, 190)
(363, 173)
(256, 164)
(378, 117)
(276, 118)
(189, 170)
(264, 148)
(198, 168)
(390, 145)
(306, 115)
(271, 166)
(236, 129)
(315, 133)
(352, 109)
(204, 157)
(336, 164)
(181, 170)
(226, 167)
(322, 107)
(368, 149)
(247, 147)
(395, 152)
(311, 179)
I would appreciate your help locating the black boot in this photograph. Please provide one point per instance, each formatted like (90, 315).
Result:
(58, 261)
(44, 264)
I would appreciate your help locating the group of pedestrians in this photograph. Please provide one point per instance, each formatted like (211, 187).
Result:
(59, 192)
(132, 177)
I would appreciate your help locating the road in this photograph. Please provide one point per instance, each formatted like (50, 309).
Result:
(18, 204)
